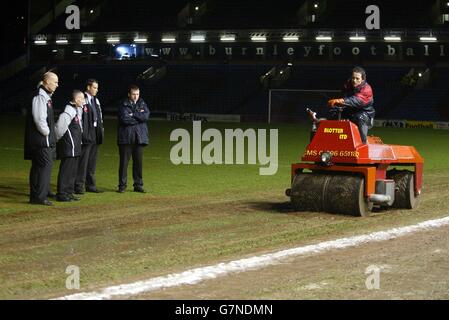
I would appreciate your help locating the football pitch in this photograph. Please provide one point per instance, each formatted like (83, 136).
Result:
(191, 216)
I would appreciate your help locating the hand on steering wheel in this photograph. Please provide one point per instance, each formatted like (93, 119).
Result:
(335, 102)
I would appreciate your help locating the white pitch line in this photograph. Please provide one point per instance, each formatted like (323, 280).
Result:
(197, 275)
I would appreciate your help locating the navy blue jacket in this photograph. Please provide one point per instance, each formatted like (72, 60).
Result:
(132, 123)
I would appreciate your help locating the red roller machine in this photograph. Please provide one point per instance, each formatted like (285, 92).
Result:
(340, 174)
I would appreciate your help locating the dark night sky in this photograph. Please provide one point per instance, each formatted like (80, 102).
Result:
(13, 23)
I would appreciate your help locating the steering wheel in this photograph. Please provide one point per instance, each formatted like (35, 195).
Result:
(340, 107)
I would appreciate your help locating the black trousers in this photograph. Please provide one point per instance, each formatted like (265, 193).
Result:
(40, 173)
(363, 122)
(126, 152)
(87, 164)
(67, 175)
(91, 182)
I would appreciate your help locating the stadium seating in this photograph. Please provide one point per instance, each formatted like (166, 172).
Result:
(232, 88)
(236, 14)
(419, 105)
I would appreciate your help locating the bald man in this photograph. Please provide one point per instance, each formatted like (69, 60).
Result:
(40, 140)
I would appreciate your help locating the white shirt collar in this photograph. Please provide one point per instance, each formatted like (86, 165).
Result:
(90, 97)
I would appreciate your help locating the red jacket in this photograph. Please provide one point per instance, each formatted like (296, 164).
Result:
(359, 98)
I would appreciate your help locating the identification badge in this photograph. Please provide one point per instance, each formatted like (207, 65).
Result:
(95, 124)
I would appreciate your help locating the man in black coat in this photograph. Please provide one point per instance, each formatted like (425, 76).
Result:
(40, 140)
(93, 135)
(133, 116)
(69, 136)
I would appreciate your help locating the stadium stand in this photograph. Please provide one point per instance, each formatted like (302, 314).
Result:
(233, 87)
(257, 13)
(394, 14)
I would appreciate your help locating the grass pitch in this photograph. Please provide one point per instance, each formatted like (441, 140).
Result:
(193, 215)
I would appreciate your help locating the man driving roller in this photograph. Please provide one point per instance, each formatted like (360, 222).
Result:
(358, 102)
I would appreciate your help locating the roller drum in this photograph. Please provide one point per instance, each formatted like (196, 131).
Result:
(307, 191)
(334, 193)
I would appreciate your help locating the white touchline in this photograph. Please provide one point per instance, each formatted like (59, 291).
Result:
(197, 275)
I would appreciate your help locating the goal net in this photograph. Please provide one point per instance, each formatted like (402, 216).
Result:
(289, 105)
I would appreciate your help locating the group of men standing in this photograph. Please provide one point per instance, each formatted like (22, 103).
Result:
(75, 138)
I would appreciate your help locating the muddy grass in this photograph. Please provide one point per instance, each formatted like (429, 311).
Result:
(412, 267)
(119, 243)
(193, 216)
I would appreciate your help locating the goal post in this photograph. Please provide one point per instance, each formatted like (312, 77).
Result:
(289, 105)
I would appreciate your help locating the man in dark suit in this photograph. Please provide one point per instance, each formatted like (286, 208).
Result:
(93, 135)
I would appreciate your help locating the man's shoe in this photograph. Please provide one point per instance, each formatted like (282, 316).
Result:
(71, 196)
(121, 190)
(94, 190)
(42, 203)
(79, 192)
(139, 189)
(64, 198)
